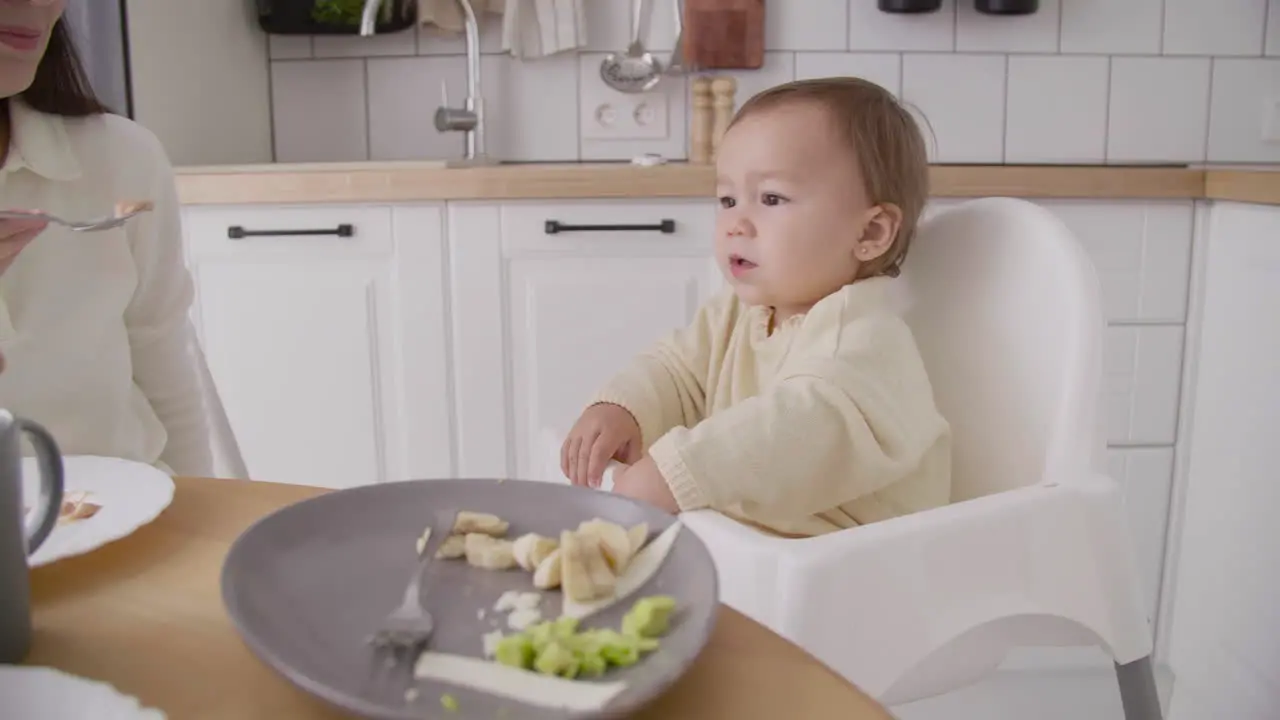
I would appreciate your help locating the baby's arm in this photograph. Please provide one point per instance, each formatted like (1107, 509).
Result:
(665, 387)
(823, 436)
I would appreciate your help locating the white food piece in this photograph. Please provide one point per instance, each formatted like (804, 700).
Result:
(516, 600)
(489, 553)
(480, 614)
(643, 566)
(531, 549)
(490, 642)
(422, 541)
(521, 685)
(522, 618)
(411, 694)
(473, 522)
(547, 575)
(453, 547)
(614, 542)
(637, 534)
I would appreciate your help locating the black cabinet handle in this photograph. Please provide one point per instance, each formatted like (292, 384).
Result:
(237, 232)
(666, 227)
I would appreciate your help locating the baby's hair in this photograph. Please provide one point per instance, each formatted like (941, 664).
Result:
(884, 137)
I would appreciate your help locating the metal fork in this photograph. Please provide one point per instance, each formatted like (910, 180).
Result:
(106, 223)
(409, 626)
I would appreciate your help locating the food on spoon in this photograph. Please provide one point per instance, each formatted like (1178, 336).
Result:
(453, 547)
(490, 553)
(548, 573)
(124, 207)
(469, 522)
(75, 506)
(531, 549)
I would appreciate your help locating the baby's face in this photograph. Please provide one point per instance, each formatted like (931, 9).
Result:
(792, 208)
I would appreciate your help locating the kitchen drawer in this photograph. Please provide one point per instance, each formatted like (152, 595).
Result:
(524, 227)
(311, 229)
(1143, 379)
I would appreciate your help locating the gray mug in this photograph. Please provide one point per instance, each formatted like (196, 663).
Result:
(19, 538)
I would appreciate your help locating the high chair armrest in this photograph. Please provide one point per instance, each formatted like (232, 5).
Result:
(1058, 550)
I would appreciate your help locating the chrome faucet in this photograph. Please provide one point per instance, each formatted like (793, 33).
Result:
(470, 117)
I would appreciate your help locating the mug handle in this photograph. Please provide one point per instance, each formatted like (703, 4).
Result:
(49, 459)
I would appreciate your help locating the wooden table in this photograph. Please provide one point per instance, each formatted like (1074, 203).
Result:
(145, 614)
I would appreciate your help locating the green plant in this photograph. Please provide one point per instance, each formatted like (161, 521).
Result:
(345, 12)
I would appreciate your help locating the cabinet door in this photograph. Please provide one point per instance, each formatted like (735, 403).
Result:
(542, 319)
(327, 350)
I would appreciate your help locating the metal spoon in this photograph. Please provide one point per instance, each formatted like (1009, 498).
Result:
(636, 71)
(106, 223)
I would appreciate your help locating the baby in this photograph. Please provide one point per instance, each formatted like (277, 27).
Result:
(797, 400)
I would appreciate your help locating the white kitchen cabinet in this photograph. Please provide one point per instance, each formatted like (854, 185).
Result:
(544, 317)
(327, 345)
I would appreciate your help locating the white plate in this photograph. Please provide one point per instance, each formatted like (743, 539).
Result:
(40, 692)
(131, 495)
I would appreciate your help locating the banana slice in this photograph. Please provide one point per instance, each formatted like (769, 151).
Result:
(531, 549)
(613, 540)
(488, 552)
(548, 573)
(453, 547)
(603, 580)
(474, 522)
(637, 534)
(575, 578)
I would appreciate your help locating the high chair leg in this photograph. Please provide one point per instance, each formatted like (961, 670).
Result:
(1138, 692)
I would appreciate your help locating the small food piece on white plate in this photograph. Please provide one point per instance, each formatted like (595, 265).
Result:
(490, 553)
(531, 549)
(453, 547)
(474, 522)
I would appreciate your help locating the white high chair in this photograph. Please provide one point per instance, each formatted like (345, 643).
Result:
(228, 462)
(1035, 549)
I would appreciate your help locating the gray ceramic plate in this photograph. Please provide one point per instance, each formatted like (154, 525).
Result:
(306, 585)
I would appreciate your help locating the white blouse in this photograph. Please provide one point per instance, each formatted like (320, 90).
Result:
(94, 327)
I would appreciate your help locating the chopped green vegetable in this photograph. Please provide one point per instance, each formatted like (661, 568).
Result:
(557, 647)
(649, 617)
(449, 702)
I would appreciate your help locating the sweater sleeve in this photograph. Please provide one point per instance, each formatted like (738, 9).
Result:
(161, 336)
(666, 386)
(824, 435)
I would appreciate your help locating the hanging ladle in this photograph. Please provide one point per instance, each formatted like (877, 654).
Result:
(637, 70)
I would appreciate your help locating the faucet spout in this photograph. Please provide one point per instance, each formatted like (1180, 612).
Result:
(369, 17)
(470, 118)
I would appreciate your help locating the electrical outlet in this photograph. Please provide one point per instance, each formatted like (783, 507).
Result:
(611, 115)
(1271, 121)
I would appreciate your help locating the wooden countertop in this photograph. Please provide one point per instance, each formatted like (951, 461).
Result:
(430, 181)
(145, 614)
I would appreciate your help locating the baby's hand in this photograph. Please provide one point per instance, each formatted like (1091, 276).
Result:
(604, 432)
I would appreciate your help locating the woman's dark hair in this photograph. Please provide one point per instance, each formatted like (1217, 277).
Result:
(60, 86)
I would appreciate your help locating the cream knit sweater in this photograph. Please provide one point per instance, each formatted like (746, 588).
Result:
(826, 423)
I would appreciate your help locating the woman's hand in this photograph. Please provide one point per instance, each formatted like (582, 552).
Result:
(14, 236)
(604, 432)
(642, 481)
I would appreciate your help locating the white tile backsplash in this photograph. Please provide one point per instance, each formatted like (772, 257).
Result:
(978, 32)
(987, 85)
(1159, 109)
(1057, 109)
(1112, 27)
(1246, 93)
(1220, 27)
(319, 110)
(962, 98)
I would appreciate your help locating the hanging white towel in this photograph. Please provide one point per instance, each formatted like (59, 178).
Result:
(530, 28)
(537, 28)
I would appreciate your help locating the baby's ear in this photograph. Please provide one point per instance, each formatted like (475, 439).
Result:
(879, 232)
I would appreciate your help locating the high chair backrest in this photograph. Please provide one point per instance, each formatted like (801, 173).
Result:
(1005, 306)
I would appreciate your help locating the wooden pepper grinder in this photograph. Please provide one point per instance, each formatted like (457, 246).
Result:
(700, 133)
(722, 92)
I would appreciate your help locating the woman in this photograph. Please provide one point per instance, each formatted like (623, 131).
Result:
(94, 327)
